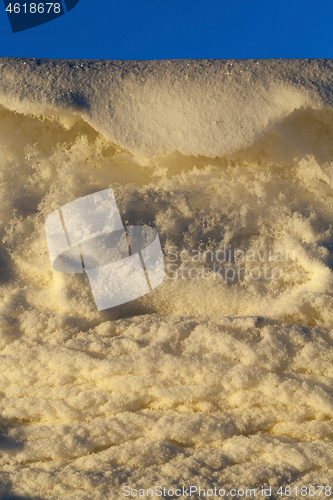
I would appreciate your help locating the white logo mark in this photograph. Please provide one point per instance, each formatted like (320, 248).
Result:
(88, 233)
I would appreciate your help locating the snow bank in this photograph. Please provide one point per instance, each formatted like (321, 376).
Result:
(213, 379)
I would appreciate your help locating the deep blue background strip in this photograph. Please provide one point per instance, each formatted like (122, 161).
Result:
(168, 29)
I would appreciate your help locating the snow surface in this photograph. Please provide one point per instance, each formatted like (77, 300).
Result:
(208, 382)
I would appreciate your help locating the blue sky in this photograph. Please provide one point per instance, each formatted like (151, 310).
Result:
(174, 29)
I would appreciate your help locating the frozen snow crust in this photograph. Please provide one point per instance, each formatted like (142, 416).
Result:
(206, 107)
(208, 382)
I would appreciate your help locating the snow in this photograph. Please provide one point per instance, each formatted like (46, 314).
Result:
(212, 379)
